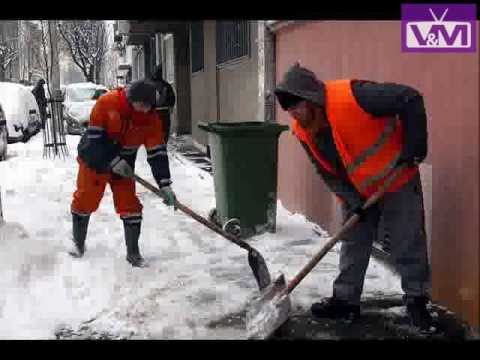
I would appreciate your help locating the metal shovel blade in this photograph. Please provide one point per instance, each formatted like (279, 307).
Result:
(255, 259)
(269, 310)
(259, 268)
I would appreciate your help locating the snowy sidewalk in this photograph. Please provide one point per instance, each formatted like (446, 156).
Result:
(196, 286)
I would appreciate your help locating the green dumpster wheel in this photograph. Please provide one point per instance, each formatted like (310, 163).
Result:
(232, 226)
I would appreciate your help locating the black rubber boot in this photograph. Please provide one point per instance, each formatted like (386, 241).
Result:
(132, 234)
(79, 234)
(334, 308)
(418, 312)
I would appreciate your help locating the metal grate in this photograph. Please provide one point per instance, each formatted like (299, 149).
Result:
(233, 40)
(54, 142)
(196, 33)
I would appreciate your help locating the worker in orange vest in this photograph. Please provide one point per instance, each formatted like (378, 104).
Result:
(121, 121)
(356, 133)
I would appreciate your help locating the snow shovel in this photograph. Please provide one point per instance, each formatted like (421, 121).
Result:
(270, 309)
(255, 259)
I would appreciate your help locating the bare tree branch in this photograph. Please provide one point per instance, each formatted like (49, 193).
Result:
(8, 53)
(78, 61)
(86, 45)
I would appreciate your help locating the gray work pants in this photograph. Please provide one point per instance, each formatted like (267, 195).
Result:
(402, 215)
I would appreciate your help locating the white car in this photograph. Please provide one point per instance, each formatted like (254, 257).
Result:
(78, 103)
(20, 110)
(3, 136)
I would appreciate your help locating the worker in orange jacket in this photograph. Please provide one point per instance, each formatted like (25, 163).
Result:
(121, 121)
(356, 133)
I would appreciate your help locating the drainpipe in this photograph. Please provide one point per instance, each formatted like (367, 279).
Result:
(217, 90)
(217, 77)
(266, 73)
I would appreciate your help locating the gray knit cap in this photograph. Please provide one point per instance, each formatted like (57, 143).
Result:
(298, 84)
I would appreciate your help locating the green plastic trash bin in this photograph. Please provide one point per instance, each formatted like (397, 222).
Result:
(244, 158)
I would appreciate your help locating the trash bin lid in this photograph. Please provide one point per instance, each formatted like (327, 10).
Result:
(242, 128)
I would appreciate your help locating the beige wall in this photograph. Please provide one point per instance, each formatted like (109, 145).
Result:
(237, 86)
(449, 83)
(204, 95)
(182, 79)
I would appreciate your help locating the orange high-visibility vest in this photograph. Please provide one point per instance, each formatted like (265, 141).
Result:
(369, 146)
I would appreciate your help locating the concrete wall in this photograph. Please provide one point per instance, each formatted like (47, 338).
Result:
(237, 86)
(182, 124)
(138, 64)
(203, 86)
(449, 83)
(175, 57)
(173, 40)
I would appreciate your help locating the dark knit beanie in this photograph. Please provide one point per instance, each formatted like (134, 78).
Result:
(298, 84)
(142, 91)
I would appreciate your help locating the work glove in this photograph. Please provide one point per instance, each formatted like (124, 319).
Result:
(170, 198)
(121, 167)
(412, 156)
(357, 210)
(410, 161)
(372, 211)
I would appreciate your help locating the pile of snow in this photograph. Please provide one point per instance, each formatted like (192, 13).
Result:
(195, 276)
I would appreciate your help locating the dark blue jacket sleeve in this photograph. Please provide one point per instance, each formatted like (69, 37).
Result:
(157, 158)
(341, 186)
(390, 99)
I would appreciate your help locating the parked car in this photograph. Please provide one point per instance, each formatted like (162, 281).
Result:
(20, 110)
(79, 101)
(3, 135)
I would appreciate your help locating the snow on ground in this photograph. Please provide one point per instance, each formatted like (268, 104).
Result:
(195, 276)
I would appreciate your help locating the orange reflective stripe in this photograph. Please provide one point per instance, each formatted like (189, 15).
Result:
(374, 178)
(401, 180)
(375, 148)
(368, 146)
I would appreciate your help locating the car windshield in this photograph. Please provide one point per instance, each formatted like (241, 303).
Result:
(81, 94)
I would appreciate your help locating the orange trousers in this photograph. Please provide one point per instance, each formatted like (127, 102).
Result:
(91, 187)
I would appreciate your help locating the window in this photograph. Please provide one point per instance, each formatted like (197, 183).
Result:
(196, 34)
(233, 40)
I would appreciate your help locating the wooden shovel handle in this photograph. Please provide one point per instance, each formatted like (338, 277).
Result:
(352, 221)
(194, 215)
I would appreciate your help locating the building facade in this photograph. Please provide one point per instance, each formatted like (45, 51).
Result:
(226, 71)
